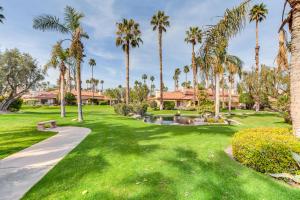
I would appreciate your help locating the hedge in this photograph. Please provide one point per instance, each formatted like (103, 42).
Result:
(267, 150)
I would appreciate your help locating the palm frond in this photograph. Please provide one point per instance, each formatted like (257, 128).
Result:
(49, 22)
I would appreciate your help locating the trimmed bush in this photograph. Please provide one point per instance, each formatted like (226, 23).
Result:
(140, 109)
(123, 109)
(153, 105)
(70, 99)
(16, 105)
(267, 150)
(169, 105)
(103, 103)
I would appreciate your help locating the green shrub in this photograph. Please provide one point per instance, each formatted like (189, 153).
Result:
(153, 105)
(16, 105)
(123, 109)
(169, 105)
(205, 107)
(93, 101)
(104, 103)
(267, 150)
(70, 99)
(140, 109)
(214, 120)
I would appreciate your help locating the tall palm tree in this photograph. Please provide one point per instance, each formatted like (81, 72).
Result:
(160, 22)
(2, 17)
(257, 14)
(186, 70)
(234, 66)
(58, 58)
(152, 78)
(92, 64)
(144, 77)
(194, 36)
(102, 82)
(177, 72)
(128, 35)
(293, 20)
(87, 84)
(72, 27)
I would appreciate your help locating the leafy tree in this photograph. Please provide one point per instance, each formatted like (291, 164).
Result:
(72, 27)
(139, 93)
(128, 36)
(160, 22)
(70, 98)
(58, 59)
(19, 72)
(194, 36)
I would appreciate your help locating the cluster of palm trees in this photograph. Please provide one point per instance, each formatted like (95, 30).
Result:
(212, 56)
(129, 36)
(72, 28)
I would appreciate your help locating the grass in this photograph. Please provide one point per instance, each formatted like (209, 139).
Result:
(127, 159)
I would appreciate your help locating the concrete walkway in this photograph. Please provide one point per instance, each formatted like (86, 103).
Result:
(20, 171)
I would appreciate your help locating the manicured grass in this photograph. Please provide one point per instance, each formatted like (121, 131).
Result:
(18, 131)
(127, 159)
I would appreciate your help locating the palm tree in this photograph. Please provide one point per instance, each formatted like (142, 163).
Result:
(92, 63)
(102, 82)
(58, 58)
(194, 36)
(1, 15)
(152, 78)
(160, 22)
(87, 84)
(293, 20)
(128, 35)
(186, 70)
(176, 78)
(258, 14)
(234, 66)
(144, 77)
(72, 27)
(216, 43)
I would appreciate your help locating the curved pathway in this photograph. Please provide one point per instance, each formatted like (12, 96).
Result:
(20, 171)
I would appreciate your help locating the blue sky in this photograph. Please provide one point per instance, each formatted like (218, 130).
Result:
(99, 22)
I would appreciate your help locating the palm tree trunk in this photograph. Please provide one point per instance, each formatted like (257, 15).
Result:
(217, 97)
(223, 93)
(295, 66)
(62, 94)
(93, 86)
(127, 74)
(160, 69)
(257, 102)
(78, 88)
(230, 97)
(206, 82)
(194, 74)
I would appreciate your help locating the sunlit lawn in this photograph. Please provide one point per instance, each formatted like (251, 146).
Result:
(127, 159)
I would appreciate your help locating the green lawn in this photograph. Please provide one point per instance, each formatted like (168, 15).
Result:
(127, 159)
